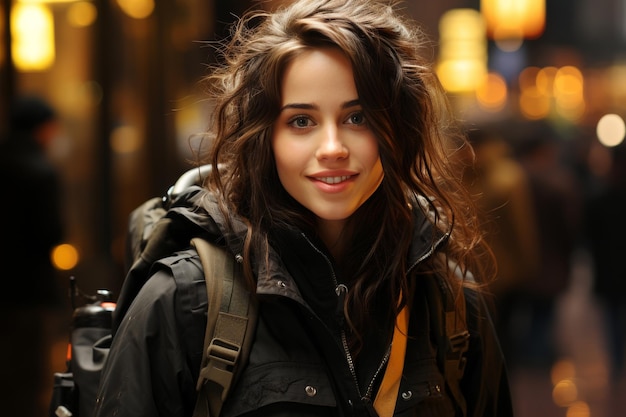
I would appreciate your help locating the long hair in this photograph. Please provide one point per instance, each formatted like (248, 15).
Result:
(406, 109)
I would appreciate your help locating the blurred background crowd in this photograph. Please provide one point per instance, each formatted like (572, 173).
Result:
(101, 108)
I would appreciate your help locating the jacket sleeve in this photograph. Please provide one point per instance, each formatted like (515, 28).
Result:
(485, 382)
(145, 373)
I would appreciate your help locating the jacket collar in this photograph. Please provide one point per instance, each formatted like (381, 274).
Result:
(427, 238)
(201, 208)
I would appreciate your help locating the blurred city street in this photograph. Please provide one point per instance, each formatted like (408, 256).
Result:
(579, 382)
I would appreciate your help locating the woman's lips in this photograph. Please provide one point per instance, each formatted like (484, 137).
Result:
(333, 183)
(333, 180)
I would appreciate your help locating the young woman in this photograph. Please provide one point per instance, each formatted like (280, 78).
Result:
(332, 184)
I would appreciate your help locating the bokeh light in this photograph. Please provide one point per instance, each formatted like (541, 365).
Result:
(565, 393)
(534, 105)
(65, 257)
(137, 9)
(528, 77)
(561, 370)
(125, 140)
(82, 14)
(32, 37)
(514, 19)
(579, 409)
(492, 94)
(462, 62)
(545, 80)
(611, 130)
(568, 89)
(552, 91)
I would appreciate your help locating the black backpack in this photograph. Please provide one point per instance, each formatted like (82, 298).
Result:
(231, 319)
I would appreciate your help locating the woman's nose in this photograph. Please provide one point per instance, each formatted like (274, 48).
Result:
(331, 145)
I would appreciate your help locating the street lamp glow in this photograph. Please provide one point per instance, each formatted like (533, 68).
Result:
(32, 33)
(611, 130)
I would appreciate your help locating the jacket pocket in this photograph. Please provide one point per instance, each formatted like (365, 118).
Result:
(423, 391)
(280, 382)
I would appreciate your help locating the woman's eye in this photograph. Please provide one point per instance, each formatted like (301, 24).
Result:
(356, 118)
(300, 122)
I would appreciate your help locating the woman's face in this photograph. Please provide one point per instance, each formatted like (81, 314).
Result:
(326, 154)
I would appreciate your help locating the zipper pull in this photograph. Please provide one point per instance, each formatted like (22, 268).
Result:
(341, 290)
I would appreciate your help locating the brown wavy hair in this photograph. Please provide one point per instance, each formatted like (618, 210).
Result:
(406, 109)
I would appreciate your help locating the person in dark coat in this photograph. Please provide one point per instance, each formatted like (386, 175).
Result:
(30, 225)
(557, 209)
(605, 228)
(30, 218)
(331, 184)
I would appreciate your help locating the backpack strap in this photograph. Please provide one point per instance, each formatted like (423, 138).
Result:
(453, 334)
(231, 320)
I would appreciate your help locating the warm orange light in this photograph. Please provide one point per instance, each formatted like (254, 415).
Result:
(544, 89)
(461, 76)
(579, 409)
(533, 104)
(568, 80)
(46, 1)
(561, 370)
(64, 257)
(32, 37)
(2, 50)
(82, 14)
(137, 9)
(492, 94)
(528, 77)
(514, 19)
(568, 88)
(462, 64)
(126, 140)
(545, 80)
(565, 393)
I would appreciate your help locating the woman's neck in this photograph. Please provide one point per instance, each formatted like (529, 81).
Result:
(333, 234)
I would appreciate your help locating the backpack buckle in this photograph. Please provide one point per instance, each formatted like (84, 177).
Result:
(223, 351)
(222, 356)
(459, 342)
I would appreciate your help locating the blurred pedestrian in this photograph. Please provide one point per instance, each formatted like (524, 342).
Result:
(502, 191)
(557, 203)
(30, 225)
(605, 222)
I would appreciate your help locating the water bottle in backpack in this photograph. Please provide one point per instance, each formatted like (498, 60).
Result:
(74, 392)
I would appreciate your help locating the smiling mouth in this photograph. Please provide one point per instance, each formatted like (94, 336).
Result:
(334, 180)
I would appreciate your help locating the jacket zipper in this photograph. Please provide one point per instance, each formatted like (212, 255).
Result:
(341, 290)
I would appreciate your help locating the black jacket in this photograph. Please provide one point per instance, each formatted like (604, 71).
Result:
(298, 365)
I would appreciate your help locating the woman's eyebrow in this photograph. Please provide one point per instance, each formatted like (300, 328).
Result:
(300, 106)
(351, 103)
(308, 106)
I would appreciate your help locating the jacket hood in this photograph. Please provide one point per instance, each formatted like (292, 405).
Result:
(200, 209)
